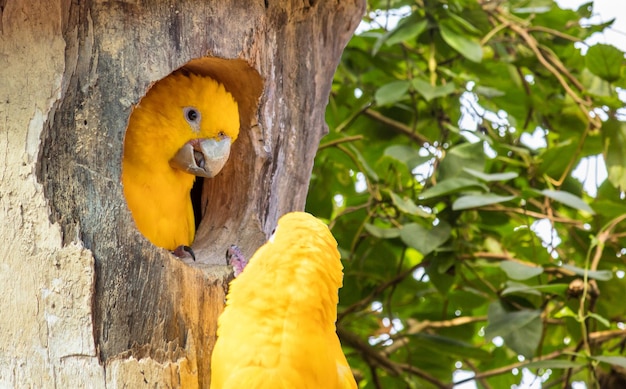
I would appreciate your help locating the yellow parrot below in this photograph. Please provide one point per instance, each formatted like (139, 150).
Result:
(278, 327)
(182, 128)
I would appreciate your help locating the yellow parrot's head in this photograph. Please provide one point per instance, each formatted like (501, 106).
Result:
(303, 236)
(306, 229)
(185, 121)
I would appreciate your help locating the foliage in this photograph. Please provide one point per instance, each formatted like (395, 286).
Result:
(447, 179)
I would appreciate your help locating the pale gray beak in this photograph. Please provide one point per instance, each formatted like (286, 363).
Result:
(202, 157)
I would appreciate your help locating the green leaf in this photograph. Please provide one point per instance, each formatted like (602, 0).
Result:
(516, 287)
(565, 312)
(392, 92)
(402, 153)
(585, 10)
(537, 290)
(614, 140)
(383, 233)
(552, 161)
(409, 28)
(601, 319)
(430, 92)
(605, 61)
(488, 92)
(450, 346)
(519, 271)
(451, 185)
(463, 23)
(491, 177)
(521, 330)
(364, 164)
(600, 275)
(423, 240)
(476, 201)
(439, 274)
(611, 360)
(468, 48)
(493, 245)
(407, 155)
(465, 155)
(568, 199)
(406, 205)
(534, 7)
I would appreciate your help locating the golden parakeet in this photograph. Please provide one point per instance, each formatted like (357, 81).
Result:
(278, 327)
(181, 129)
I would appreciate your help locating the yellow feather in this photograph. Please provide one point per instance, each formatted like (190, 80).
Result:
(158, 194)
(278, 327)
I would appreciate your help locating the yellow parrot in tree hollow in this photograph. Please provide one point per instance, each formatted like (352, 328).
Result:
(182, 128)
(278, 327)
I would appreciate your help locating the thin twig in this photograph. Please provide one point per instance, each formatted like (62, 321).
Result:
(559, 65)
(373, 356)
(553, 32)
(533, 45)
(348, 210)
(368, 352)
(416, 327)
(483, 381)
(499, 208)
(339, 141)
(367, 299)
(397, 126)
(506, 369)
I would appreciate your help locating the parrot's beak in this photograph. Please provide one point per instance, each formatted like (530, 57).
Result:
(202, 157)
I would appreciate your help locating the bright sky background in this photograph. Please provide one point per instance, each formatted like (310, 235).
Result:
(605, 10)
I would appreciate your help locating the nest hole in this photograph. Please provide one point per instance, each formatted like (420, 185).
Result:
(222, 203)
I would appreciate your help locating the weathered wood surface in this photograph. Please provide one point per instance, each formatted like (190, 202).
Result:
(83, 290)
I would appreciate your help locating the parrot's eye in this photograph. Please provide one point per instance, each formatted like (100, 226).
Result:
(221, 135)
(192, 115)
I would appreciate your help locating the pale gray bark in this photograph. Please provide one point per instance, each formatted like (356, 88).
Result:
(86, 299)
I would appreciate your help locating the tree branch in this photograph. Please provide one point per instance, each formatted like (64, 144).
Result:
(506, 369)
(417, 326)
(397, 126)
(538, 215)
(367, 299)
(553, 32)
(339, 141)
(373, 356)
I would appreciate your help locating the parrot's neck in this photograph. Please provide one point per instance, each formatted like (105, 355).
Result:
(166, 183)
(158, 197)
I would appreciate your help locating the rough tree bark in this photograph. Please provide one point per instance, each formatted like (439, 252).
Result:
(85, 298)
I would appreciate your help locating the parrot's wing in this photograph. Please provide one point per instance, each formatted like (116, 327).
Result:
(346, 379)
(344, 373)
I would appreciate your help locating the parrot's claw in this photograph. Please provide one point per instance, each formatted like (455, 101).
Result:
(235, 258)
(183, 251)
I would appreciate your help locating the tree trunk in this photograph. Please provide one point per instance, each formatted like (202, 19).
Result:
(87, 300)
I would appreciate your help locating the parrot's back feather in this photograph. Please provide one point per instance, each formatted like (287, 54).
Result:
(256, 377)
(278, 327)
